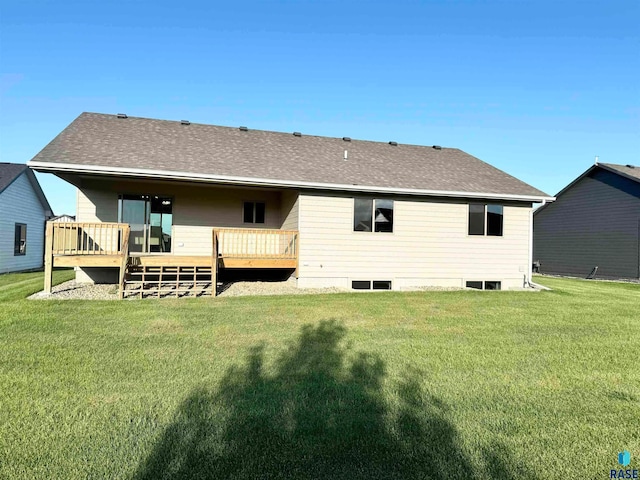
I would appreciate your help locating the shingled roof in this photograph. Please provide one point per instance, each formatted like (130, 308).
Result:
(108, 144)
(9, 173)
(632, 172)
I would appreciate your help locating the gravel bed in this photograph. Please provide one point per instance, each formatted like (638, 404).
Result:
(237, 289)
(73, 290)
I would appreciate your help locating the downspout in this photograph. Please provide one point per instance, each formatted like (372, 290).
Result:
(529, 279)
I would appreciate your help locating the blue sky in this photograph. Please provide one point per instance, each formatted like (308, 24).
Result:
(536, 88)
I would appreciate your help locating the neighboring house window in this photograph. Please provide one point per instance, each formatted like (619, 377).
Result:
(485, 219)
(372, 215)
(20, 242)
(254, 212)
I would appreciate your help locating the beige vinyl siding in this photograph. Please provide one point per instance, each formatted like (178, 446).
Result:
(96, 205)
(196, 209)
(289, 210)
(429, 245)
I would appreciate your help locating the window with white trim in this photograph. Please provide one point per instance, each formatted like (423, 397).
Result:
(20, 239)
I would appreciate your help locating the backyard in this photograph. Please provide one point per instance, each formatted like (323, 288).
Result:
(456, 384)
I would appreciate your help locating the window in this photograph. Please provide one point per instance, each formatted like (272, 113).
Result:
(476, 219)
(494, 220)
(372, 215)
(489, 216)
(20, 239)
(361, 285)
(486, 285)
(381, 285)
(367, 284)
(254, 212)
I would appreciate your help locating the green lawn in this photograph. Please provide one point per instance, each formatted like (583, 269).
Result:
(14, 286)
(477, 385)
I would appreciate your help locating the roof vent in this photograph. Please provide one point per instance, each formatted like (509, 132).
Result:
(346, 139)
(395, 144)
(297, 134)
(122, 115)
(437, 147)
(244, 129)
(185, 122)
(631, 166)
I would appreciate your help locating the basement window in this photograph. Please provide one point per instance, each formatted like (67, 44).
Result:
(20, 239)
(254, 212)
(372, 215)
(484, 285)
(486, 219)
(371, 284)
(382, 285)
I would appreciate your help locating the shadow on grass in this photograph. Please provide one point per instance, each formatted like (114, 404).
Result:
(320, 414)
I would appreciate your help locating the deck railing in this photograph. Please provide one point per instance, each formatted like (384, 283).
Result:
(89, 238)
(256, 243)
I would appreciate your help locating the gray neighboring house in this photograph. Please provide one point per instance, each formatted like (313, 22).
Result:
(23, 212)
(595, 222)
(340, 212)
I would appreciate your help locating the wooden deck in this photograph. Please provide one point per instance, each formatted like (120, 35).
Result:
(106, 245)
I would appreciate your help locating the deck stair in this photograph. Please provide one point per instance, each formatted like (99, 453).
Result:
(167, 281)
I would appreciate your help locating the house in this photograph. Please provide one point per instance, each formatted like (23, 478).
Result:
(336, 211)
(593, 229)
(23, 212)
(64, 218)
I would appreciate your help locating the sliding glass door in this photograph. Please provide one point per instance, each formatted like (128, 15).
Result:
(150, 218)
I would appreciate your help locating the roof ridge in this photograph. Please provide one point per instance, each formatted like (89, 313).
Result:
(351, 139)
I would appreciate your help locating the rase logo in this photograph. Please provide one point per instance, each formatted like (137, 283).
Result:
(624, 459)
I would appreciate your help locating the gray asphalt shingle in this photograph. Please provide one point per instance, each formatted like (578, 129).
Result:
(107, 141)
(630, 171)
(9, 172)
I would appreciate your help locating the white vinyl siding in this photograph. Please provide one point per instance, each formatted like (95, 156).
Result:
(20, 204)
(430, 245)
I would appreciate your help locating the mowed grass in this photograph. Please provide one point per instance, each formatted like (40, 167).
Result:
(20, 285)
(466, 384)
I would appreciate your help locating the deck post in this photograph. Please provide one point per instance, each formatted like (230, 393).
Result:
(297, 243)
(48, 257)
(214, 265)
(124, 246)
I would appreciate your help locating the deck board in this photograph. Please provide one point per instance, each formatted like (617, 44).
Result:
(87, 260)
